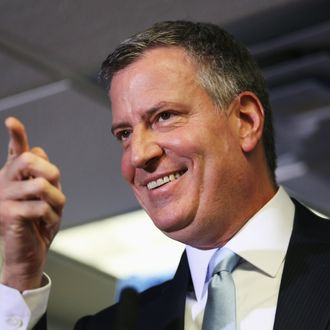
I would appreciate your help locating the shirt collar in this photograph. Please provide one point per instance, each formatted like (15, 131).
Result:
(198, 263)
(262, 241)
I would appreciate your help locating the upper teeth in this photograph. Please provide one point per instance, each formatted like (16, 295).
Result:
(159, 182)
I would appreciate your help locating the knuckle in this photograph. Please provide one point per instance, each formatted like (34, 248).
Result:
(59, 203)
(44, 209)
(63, 200)
(41, 184)
(26, 159)
(56, 173)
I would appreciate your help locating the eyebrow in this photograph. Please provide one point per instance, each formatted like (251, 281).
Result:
(114, 127)
(146, 114)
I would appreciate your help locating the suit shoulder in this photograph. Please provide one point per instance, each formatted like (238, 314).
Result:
(118, 312)
(310, 225)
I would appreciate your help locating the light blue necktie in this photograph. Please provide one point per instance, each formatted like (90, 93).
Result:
(220, 310)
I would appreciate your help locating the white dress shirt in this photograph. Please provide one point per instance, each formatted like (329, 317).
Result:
(22, 311)
(262, 245)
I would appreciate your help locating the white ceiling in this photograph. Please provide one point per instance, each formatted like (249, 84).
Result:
(50, 52)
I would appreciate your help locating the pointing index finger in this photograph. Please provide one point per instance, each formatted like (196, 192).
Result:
(18, 140)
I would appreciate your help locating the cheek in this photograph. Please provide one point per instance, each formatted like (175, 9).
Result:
(183, 142)
(127, 170)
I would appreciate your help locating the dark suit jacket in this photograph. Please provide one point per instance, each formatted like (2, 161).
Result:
(304, 298)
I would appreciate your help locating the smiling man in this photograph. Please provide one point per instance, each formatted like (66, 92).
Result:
(191, 112)
(182, 151)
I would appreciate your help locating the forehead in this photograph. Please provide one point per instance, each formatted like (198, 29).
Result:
(162, 76)
(162, 65)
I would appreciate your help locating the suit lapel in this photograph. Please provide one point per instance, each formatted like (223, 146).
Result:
(304, 298)
(164, 306)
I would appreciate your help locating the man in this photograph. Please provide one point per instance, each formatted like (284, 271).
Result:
(191, 111)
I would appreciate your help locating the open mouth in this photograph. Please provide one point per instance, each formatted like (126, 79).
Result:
(165, 179)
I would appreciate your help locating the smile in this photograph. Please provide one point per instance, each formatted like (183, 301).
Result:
(165, 179)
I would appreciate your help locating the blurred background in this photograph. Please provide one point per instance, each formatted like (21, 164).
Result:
(50, 53)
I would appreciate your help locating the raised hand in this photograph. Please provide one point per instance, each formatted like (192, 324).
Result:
(31, 204)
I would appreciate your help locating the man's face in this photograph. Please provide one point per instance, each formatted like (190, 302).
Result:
(181, 155)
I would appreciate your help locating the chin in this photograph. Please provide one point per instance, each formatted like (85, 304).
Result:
(170, 225)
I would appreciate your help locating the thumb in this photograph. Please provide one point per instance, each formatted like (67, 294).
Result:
(18, 140)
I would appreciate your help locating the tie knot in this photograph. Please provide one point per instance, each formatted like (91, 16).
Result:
(228, 261)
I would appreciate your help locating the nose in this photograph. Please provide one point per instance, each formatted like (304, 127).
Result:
(145, 149)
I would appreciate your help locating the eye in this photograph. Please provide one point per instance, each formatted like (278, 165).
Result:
(123, 135)
(165, 115)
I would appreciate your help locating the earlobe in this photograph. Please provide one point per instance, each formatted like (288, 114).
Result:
(251, 118)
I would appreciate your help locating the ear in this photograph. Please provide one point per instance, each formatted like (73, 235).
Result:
(250, 113)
